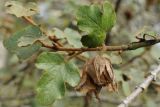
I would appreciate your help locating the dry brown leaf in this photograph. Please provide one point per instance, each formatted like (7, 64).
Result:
(97, 73)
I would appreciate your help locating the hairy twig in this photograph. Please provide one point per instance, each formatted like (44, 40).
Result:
(131, 46)
(29, 20)
(140, 88)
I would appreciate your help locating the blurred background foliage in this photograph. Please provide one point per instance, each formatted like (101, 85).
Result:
(18, 78)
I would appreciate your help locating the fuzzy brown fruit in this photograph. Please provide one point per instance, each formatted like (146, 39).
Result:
(97, 73)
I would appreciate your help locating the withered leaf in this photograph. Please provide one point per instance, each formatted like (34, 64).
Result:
(97, 73)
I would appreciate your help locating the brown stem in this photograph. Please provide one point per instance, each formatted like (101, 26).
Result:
(131, 46)
(30, 20)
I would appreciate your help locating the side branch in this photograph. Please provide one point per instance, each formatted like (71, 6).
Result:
(131, 46)
(140, 88)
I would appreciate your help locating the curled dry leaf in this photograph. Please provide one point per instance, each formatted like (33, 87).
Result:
(19, 9)
(97, 73)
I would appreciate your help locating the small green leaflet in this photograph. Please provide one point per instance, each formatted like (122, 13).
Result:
(89, 18)
(17, 8)
(108, 17)
(93, 18)
(30, 35)
(14, 43)
(58, 33)
(93, 40)
(95, 21)
(72, 36)
(51, 86)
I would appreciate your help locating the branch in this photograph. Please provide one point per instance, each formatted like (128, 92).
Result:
(29, 20)
(140, 88)
(59, 47)
(131, 46)
(118, 3)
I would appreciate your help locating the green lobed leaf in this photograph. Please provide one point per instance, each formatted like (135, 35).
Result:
(93, 40)
(48, 60)
(89, 18)
(55, 66)
(50, 87)
(17, 8)
(108, 17)
(30, 35)
(95, 22)
(59, 34)
(71, 73)
(26, 52)
(73, 37)
(12, 42)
